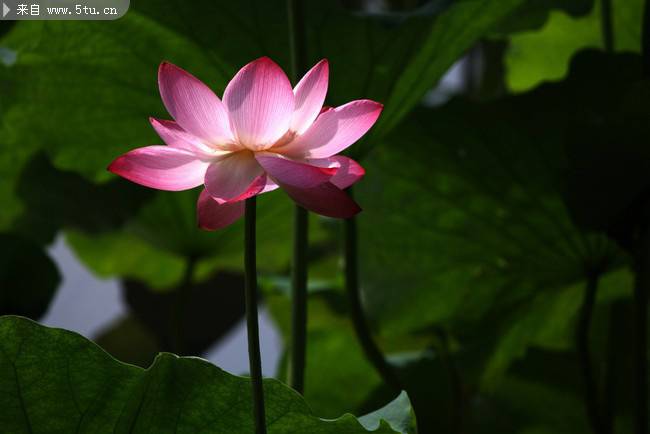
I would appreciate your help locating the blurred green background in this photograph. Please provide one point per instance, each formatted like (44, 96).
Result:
(501, 216)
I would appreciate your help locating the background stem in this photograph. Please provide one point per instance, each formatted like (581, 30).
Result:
(641, 327)
(372, 352)
(298, 345)
(642, 275)
(606, 25)
(592, 397)
(254, 357)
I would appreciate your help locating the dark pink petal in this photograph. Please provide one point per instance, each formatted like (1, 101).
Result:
(161, 167)
(325, 199)
(235, 177)
(193, 105)
(260, 103)
(348, 171)
(309, 185)
(310, 94)
(288, 172)
(212, 215)
(334, 130)
(176, 137)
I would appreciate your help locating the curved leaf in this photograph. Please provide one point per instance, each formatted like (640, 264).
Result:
(56, 381)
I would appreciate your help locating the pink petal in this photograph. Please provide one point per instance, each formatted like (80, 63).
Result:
(348, 171)
(310, 94)
(308, 185)
(260, 103)
(193, 105)
(270, 186)
(334, 130)
(212, 215)
(161, 167)
(288, 172)
(176, 137)
(325, 199)
(235, 178)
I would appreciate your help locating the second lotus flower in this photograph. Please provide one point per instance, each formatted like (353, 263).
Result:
(262, 136)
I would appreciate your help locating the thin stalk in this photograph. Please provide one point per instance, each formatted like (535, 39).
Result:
(179, 312)
(297, 38)
(645, 39)
(617, 320)
(591, 394)
(606, 25)
(250, 283)
(370, 349)
(642, 276)
(600, 406)
(641, 327)
(298, 345)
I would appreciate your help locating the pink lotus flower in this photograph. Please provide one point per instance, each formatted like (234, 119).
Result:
(262, 136)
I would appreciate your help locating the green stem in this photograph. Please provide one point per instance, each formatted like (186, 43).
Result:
(606, 25)
(254, 358)
(183, 293)
(297, 38)
(641, 327)
(299, 302)
(298, 345)
(641, 288)
(592, 399)
(645, 39)
(372, 352)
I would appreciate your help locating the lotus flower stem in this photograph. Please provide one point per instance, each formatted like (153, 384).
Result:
(372, 352)
(298, 345)
(592, 395)
(254, 358)
(641, 327)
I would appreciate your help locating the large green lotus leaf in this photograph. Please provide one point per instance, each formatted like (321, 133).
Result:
(28, 277)
(530, 325)
(544, 55)
(533, 14)
(56, 381)
(472, 197)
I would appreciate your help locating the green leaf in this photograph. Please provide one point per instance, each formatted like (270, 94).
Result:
(28, 277)
(456, 30)
(121, 254)
(544, 55)
(472, 197)
(398, 413)
(60, 382)
(533, 14)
